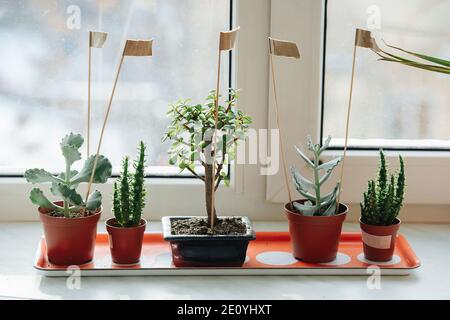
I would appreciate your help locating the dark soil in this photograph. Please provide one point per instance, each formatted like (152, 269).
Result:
(199, 226)
(73, 215)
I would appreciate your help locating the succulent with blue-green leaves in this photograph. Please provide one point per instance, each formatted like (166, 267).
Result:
(65, 184)
(129, 192)
(317, 202)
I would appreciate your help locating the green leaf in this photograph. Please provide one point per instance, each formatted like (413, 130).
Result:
(69, 147)
(68, 194)
(102, 173)
(330, 165)
(73, 140)
(38, 198)
(310, 144)
(442, 62)
(331, 209)
(40, 176)
(94, 201)
(301, 181)
(306, 210)
(304, 157)
(325, 145)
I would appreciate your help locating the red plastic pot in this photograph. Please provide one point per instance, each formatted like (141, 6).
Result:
(315, 239)
(379, 241)
(125, 243)
(70, 241)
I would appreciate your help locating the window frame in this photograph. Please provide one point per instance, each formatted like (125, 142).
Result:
(322, 104)
(251, 194)
(425, 168)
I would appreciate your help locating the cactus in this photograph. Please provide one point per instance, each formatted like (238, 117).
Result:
(129, 192)
(65, 184)
(384, 198)
(317, 204)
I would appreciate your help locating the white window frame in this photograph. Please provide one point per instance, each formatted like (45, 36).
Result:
(299, 84)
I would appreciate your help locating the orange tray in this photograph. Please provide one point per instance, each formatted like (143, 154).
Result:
(269, 254)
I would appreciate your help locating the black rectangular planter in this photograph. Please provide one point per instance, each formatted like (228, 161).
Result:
(207, 250)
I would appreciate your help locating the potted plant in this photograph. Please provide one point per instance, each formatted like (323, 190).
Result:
(379, 212)
(70, 224)
(126, 229)
(315, 223)
(207, 241)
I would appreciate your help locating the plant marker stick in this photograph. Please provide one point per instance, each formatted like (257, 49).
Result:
(285, 49)
(227, 40)
(132, 48)
(96, 40)
(363, 39)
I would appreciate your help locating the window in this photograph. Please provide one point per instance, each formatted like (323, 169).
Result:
(393, 106)
(43, 83)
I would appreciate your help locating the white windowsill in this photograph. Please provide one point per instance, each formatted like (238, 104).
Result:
(18, 279)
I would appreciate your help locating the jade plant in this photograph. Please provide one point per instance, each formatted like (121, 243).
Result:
(192, 131)
(129, 192)
(384, 198)
(317, 202)
(64, 186)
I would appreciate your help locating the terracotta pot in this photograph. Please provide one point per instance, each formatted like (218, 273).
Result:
(315, 239)
(379, 241)
(70, 241)
(125, 243)
(207, 250)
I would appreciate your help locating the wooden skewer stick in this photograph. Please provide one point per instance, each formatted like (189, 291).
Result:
(132, 48)
(285, 49)
(347, 125)
(363, 39)
(227, 40)
(97, 40)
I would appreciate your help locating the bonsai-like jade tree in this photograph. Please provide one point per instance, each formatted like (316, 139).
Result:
(318, 203)
(65, 184)
(384, 198)
(191, 132)
(129, 192)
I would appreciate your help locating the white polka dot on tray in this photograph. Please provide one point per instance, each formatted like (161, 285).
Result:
(395, 260)
(247, 259)
(276, 258)
(163, 260)
(341, 259)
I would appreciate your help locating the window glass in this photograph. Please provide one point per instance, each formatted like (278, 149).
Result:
(393, 105)
(44, 68)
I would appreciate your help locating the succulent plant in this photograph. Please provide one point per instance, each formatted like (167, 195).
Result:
(65, 184)
(129, 192)
(384, 198)
(191, 131)
(318, 203)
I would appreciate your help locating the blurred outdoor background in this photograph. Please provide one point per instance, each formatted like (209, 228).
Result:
(393, 105)
(44, 65)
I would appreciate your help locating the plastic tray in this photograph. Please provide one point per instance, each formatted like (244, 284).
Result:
(269, 254)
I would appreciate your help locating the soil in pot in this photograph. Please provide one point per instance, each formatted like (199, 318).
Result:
(125, 243)
(194, 245)
(379, 241)
(199, 226)
(315, 239)
(70, 241)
